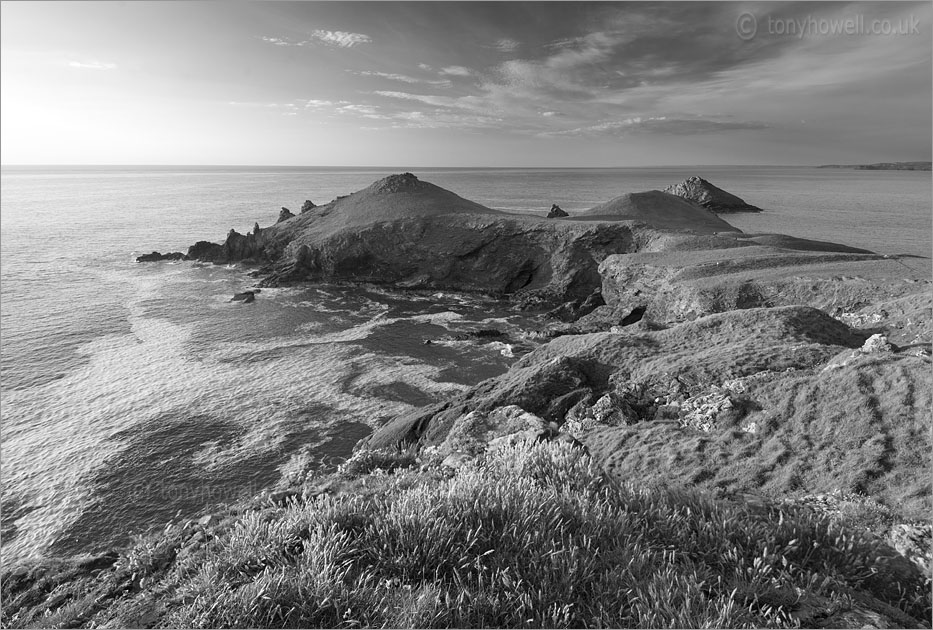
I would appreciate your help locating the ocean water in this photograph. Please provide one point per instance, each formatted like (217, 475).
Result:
(133, 394)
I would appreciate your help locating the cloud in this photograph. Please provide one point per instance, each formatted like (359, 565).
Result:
(424, 66)
(506, 45)
(313, 103)
(668, 125)
(436, 101)
(403, 78)
(92, 65)
(456, 71)
(341, 39)
(279, 41)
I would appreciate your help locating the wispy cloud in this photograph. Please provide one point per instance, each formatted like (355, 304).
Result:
(403, 78)
(506, 45)
(456, 71)
(670, 125)
(92, 65)
(427, 99)
(280, 41)
(341, 39)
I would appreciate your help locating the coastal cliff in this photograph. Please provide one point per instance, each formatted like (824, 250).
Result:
(403, 232)
(725, 430)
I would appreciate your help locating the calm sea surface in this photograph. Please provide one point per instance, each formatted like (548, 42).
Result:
(132, 394)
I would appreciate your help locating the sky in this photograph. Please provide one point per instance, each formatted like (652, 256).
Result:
(457, 84)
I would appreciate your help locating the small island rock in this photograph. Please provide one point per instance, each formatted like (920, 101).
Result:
(702, 192)
(556, 212)
(157, 256)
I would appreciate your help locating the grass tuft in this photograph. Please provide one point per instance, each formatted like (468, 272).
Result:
(532, 536)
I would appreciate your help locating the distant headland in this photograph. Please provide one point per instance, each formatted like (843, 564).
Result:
(885, 166)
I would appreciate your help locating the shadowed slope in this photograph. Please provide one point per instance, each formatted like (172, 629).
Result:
(658, 209)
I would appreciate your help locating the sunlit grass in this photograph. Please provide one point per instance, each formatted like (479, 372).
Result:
(529, 537)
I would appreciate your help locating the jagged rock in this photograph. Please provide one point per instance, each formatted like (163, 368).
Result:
(246, 297)
(406, 182)
(575, 309)
(156, 257)
(307, 206)
(256, 228)
(876, 343)
(472, 432)
(914, 541)
(556, 212)
(700, 191)
(204, 250)
(702, 412)
(285, 215)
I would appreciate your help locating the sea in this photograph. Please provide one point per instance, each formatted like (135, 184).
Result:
(132, 395)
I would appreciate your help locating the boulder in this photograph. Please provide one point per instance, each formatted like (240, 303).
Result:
(473, 432)
(556, 212)
(876, 343)
(246, 297)
(156, 257)
(700, 191)
(285, 215)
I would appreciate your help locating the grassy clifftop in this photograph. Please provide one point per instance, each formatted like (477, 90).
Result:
(526, 535)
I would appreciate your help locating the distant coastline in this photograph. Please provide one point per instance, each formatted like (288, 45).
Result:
(885, 166)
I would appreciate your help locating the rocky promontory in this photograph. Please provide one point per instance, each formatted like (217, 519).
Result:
(702, 192)
(404, 232)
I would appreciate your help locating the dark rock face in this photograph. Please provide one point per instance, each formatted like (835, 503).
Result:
(307, 206)
(285, 215)
(700, 191)
(653, 250)
(556, 212)
(246, 297)
(156, 257)
(412, 234)
(256, 247)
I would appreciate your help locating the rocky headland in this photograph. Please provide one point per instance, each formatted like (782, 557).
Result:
(711, 197)
(744, 416)
(885, 166)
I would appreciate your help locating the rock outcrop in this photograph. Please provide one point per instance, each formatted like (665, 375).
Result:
(157, 256)
(409, 233)
(702, 192)
(556, 212)
(660, 210)
(246, 296)
(307, 206)
(737, 401)
(651, 255)
(285, 215)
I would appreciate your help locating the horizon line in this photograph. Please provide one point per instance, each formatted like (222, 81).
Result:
(427, 167)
